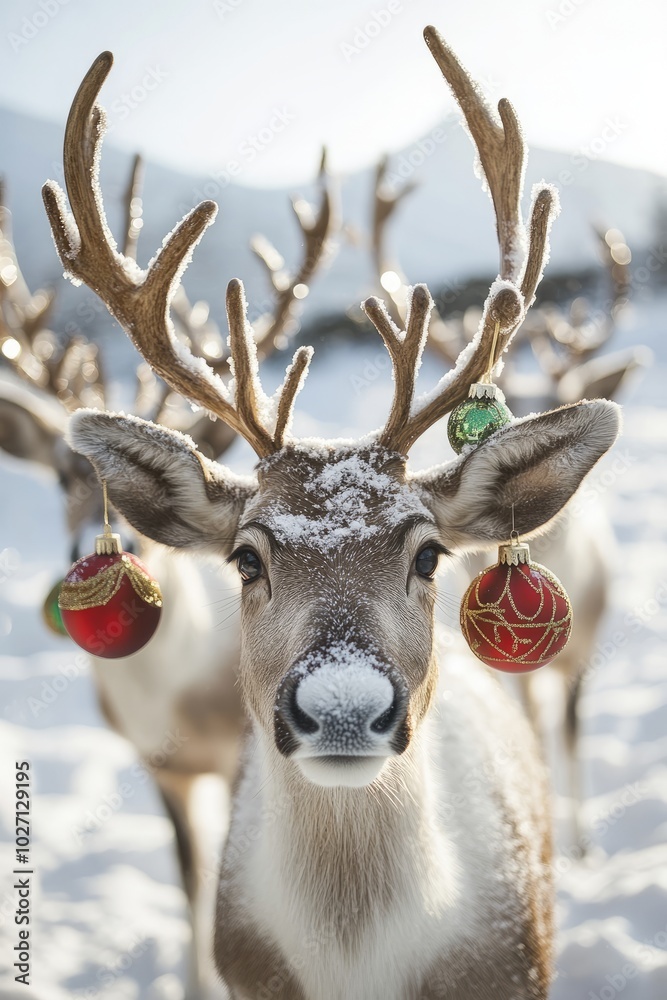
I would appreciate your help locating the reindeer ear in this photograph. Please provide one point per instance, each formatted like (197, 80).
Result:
(536, 464)
(26, 433)
(603, 377)
(160, 483)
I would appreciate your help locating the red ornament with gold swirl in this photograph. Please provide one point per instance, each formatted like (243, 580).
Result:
(516, 616)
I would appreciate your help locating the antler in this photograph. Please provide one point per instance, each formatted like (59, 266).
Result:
(317, 228)
(66, 367)
(140, 300)
(445, 338)
(502, 154)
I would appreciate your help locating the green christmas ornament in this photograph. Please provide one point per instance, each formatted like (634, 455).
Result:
(51, 611)
(482, 413)
(478, 416)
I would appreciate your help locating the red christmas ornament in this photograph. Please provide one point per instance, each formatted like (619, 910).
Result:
(109, 602)
(516, 615)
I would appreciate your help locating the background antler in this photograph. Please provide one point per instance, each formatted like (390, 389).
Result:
(502, 154)
(565, 341)
(67, 367)
(317, 229)
(140, 300)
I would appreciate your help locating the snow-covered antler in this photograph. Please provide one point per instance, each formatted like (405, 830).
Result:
(502, 155)
(140, 300)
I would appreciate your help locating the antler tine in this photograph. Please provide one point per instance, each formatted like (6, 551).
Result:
(294, 379)
(501, 148)
(409, 419)
(385, 203)
(140, 300)
(405, 350)
(316, 230)
(443, 337)
(546, 207)
(133, 208)
(243, 363)
(502, 153)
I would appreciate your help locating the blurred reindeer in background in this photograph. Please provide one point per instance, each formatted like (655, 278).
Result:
(567, 344)
(150, 695)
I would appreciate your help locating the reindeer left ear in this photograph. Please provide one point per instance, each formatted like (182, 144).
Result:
(536, 463)
(160, 484)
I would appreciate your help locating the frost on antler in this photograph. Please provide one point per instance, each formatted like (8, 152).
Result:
(140, 300)
(502, 154)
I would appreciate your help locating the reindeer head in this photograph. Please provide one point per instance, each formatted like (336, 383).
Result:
(336, 543)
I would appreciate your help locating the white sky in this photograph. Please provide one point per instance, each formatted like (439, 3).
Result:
(220, 68)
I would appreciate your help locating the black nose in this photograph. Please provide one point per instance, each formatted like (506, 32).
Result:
(337, 711)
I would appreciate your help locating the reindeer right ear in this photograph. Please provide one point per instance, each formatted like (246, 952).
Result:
(160, 483)
(533, 465)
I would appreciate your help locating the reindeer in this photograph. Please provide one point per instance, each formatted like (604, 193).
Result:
(390, 837)
(566, 344)
(149, 697)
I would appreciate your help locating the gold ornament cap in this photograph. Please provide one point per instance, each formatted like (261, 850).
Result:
(514, 552)
(486, 390)
(108, 544)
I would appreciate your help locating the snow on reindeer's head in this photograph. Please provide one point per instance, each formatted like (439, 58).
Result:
(336, 543)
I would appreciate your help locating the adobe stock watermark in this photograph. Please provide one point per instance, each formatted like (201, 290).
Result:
(638, 618)
(592, 489)
(108, 974)
(52, 689)
(556, 16)
(10, 561)
(629, 796)
(616, 982)
(31, 25)
(225, 7)
(595, 149)
(121, 109)
(140, 772)
(415, 157)
(655, 260)
(364, 34)
(246, 153)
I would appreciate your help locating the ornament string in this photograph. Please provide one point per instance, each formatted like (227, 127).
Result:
(514, 534)
(496, 332)
(105, 496)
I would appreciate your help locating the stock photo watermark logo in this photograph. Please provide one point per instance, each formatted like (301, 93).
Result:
(636, 619)
(55, 686)
(247, 152)
(94, 819)
(122, 107)
(364, 34)
(224, 7)
(107, 975)
(616, 982)
(563, 12)
(594, 149)
(413, 159)
(31, 25)
(655, 260)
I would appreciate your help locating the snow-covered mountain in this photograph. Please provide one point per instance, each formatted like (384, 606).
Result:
(442, 233)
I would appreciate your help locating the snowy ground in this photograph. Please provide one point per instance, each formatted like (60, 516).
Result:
(109, 917)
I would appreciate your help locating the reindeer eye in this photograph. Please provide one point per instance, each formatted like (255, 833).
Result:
(249, 565)
(426, 562)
